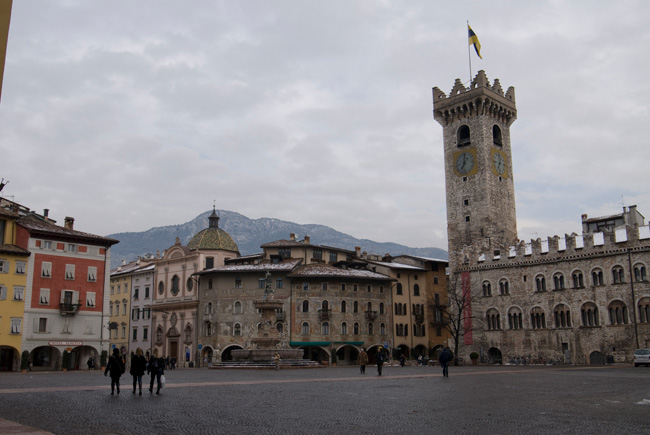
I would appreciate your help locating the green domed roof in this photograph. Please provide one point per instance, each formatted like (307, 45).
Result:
(213, 237)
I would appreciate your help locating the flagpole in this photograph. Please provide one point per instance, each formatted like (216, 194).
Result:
(469, 56)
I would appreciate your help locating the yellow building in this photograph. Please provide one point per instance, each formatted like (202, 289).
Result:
(13, 279)
(120, 309)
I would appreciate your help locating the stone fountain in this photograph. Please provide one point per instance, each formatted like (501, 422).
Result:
(263, 346)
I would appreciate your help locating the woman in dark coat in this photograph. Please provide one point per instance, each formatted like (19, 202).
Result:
(116, 367)
(138, 367)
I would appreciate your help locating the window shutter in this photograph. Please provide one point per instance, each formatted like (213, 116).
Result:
(75, 297)
(36, 324)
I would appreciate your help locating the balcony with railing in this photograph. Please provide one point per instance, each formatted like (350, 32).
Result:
(69, 309)
(280, 317)
(324, 314)
(371, 315)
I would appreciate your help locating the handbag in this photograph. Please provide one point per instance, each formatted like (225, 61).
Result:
(162, 381)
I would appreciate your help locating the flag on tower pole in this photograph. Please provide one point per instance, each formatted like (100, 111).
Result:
(473, 40)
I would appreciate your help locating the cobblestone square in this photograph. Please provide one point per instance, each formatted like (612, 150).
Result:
(474, 399)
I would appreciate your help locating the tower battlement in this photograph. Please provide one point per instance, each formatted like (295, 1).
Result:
(480, 98)
(556, 248)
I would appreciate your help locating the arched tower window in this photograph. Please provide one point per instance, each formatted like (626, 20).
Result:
(496, 135)
(463, 136)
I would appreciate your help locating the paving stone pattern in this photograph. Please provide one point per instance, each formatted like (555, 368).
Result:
(408, 400)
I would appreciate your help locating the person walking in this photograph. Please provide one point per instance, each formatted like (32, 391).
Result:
(157, 369)
(116, 367)
(402, 360)
(445, 358)
(138, 366)
(362, 360)
(380, 358)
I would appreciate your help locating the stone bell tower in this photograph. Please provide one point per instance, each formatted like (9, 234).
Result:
(481, 217)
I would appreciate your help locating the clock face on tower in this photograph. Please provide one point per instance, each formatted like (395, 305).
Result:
(465, 162)
(499, 165)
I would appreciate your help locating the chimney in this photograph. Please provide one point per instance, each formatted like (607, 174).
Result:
(292, 237)
(306, 240)
(357, 251)
(46, 213)
(69, 223)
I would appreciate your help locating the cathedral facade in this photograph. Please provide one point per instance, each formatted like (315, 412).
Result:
(582, 299)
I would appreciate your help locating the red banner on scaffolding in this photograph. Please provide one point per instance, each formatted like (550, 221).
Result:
(467, 308)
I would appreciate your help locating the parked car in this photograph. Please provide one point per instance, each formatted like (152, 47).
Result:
(642, 356)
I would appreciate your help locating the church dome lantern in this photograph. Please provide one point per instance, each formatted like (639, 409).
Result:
(213, 237)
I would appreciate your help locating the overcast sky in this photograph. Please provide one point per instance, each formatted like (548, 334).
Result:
(128, 115)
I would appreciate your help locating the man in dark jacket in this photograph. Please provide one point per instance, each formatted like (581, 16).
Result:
(116, 367)
(445, 358)
(157, 369)
(380, 357)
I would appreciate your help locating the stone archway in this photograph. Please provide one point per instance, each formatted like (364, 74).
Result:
(226, 355)
(46, 358)
(494, 356)
(597, 358)
(207, 356)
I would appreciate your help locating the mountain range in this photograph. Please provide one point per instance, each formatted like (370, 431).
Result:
(249, 235)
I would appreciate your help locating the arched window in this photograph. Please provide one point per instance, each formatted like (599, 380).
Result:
(589, 314)
(343, 306)
(237, 330)
(382, 329)
(279, 327)
(416, 290)
(344, 328)
(210, 284)
(537, 318)
(370, 329)
(399, 288)
(597, 276)
(578, 280)
(175, 285)
(463, 136)
(188, 334)
(237, 309)
(487, 289)
(558, 281)
(190, 284)
(325, 328)
(515, 318)
(639, 272)
(208, 328)
(356, 328)
(540, 283)
(381, 308)
(562, 316)
(325, 306)
(618, 276)
(496, 135)
(504, 287)
(159, 335)
(617, 313)
(208, 308)
(644, 310)
(305, 328)
(355, 307)
(369, 307)
(493, 320)
(305, 306)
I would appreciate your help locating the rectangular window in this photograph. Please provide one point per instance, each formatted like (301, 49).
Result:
(146, 292)
(134, 337)
(284, 252)
(46, 269)
(136, 292)
(20, 267)
(3, 223)
(4, 266)
(42, 324)
(261, 283)
(135, 314)
(90, 299)
(69, 271)
(342, 287)
(381, 289)
(3, 293)
(124, 311)
(123, 331)
(46, 244)
(92, 274)
(44, 298)
(112, 289)
(333, 257)
(15, 326)
(209, 262)
(72, 247)
(305, 286)
(18, 293)
(324, 286)
(146, 313)
(317, 254)
(435, 280)
(279, 283)
(119, 289)
(145, 333)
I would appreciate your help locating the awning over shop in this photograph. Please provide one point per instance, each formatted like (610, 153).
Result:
(310, 343)
(353, 343)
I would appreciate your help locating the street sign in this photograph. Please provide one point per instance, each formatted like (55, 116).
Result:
(200, 346)
(112, 346)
